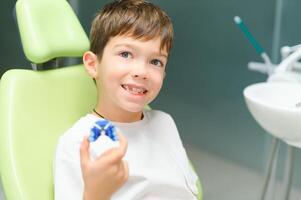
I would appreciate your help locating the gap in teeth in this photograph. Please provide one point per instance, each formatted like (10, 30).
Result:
(134, 90)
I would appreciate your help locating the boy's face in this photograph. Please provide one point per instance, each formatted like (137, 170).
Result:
(130, 73)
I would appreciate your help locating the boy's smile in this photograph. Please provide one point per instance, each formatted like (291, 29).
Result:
(129, 76)
(134, 89)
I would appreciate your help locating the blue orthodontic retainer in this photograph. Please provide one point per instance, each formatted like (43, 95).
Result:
(103, 127)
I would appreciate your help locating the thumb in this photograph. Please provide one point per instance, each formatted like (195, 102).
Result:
(123, 144)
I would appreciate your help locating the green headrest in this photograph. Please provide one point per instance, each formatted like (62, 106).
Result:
(49, 29)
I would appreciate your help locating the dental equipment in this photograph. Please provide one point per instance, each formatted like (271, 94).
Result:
(103, 136)
(288, 70)
(267, 66)
(103, 127)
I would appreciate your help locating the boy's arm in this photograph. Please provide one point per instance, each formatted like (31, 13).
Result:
(106, 174)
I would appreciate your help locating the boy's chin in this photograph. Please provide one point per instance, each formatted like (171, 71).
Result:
(134, 108)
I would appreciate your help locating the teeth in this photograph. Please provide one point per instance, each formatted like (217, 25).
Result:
(134, 90)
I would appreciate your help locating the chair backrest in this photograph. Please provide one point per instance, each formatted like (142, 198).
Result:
(49, 29)
(36, 107)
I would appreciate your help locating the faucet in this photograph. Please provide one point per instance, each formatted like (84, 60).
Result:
(288, 70)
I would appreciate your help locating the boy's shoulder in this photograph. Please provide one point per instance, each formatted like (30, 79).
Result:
(161, 119)
(72, 137)
(158, 114)
(82, 126)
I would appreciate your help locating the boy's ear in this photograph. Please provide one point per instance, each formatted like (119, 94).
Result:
(90, 62)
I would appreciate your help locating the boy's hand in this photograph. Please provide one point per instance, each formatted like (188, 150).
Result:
(107, 173)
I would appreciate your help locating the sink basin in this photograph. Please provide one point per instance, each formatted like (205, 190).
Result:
(276, 106)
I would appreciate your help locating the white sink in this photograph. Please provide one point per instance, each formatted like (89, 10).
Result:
(276, 106)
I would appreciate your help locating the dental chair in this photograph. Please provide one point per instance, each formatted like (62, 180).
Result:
(37, 106)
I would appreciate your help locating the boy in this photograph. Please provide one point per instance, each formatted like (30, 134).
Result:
(130, 44)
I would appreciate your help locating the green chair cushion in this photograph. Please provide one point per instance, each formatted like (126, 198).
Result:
(49, 29)
(36, 108)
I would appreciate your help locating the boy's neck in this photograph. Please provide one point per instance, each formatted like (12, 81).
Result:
(118, 115)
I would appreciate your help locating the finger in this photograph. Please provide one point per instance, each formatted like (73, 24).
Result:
(120, 166)
(126, 169)
(123, 144)
(110, 154)
(122, 170)
(111, 151)
(116, 154)
(107, 153)
(84, 151)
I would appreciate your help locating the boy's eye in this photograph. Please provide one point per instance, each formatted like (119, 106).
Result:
(157, 62)
(125, 54)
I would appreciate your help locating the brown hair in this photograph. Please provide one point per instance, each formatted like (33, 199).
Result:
(136, 18)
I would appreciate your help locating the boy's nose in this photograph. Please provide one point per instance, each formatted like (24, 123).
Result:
(140, 72)
(139, 76)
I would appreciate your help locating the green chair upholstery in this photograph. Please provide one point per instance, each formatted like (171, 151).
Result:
(199, 186)
(36, 107)
(49, 29)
